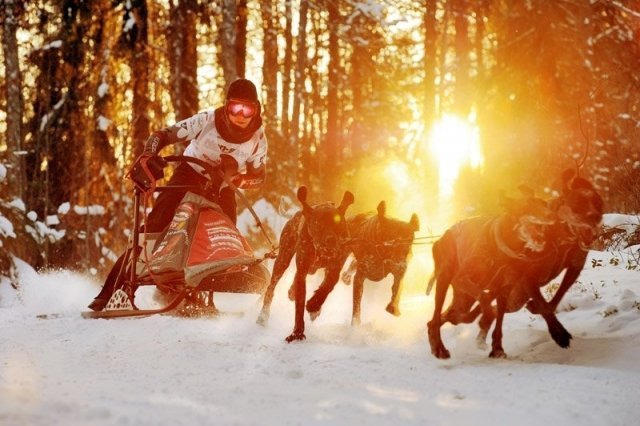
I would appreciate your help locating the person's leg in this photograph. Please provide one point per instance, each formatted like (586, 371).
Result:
(228, 203)
(167, 202)
(117, 271)
(156, 221)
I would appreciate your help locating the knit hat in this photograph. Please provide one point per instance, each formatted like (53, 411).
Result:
(243, 89)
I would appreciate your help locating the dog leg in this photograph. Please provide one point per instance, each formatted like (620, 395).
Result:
(459, 311)
(279, 267)
(358, 287)
(486, 319)
(540, 306)
(394, 305)
(288, 244)
(558, 333)
(348, 274)
(433, 327)
(314, 305)
(301, 289)
(496, 338)
(291, 294)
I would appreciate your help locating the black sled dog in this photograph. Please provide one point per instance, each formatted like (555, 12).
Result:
(381, 245)
(316, 236)
(508, 258)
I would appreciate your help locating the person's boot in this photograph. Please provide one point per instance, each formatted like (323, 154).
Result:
(101, 300)
(98, 304)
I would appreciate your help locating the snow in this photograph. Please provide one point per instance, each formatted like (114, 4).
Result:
(56, 44)
(165, 370)
(93, 210)
(103, 123)
(103, 89)
(17, 203)
(52, 220)
(6, 228)
(64, 208)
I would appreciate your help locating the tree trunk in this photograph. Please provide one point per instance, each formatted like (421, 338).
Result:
(270, 66)
(334, 81)
(430, 62)
(13, 90)
(241, 38)
(183, 58)
(137, 42)
(300, 76)
(228, 52)
(286, 70)
(462, 93)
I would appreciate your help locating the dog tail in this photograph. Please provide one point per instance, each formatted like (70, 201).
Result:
(432, 281)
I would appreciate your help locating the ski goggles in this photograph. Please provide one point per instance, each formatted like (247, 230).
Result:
(247, 110)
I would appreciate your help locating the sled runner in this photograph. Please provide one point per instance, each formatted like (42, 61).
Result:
(200, 253)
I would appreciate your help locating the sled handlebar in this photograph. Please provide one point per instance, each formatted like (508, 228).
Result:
(210, 170)
(212, 173)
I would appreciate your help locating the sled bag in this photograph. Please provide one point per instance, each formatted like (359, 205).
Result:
(200, 241)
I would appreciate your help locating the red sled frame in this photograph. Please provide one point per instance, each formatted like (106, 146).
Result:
(248, 278)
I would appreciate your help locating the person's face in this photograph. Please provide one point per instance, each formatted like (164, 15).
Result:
(241, 113)
(239, 120)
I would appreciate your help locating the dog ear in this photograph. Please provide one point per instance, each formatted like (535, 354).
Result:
(302, 194)
(382, 209)
(347, 200)
(302, 197)
(414, 223)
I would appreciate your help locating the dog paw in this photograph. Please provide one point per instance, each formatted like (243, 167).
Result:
(296, 335)
(393, 310)
(440, 352)
(481, 341)
(262, 319)
(562, 338)
(313, 307)
(314, 314)
(497, 353)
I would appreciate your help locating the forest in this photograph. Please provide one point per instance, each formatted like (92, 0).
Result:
(435, 106)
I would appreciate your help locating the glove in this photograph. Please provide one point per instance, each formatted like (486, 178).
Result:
(228, 165)
(146, 179)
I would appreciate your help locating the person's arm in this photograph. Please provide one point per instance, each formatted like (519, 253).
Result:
(256, 172)
(182, 131)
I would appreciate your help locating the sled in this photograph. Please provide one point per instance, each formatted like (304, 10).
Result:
(200, 253)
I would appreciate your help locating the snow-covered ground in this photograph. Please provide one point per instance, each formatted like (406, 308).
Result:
(165, 370)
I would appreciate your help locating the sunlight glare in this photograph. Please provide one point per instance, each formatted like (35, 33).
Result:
(398, 173)
(454, 143)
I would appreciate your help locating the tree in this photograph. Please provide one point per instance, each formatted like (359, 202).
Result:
(134, 40)
(270, 66)
(228, 54)
(298, 91)
(463, 98)
(10, 15)
(332, 137)
(183, 57)
(286, 70)
(430, 63)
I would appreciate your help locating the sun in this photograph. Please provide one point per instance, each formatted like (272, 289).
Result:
(454, 143)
